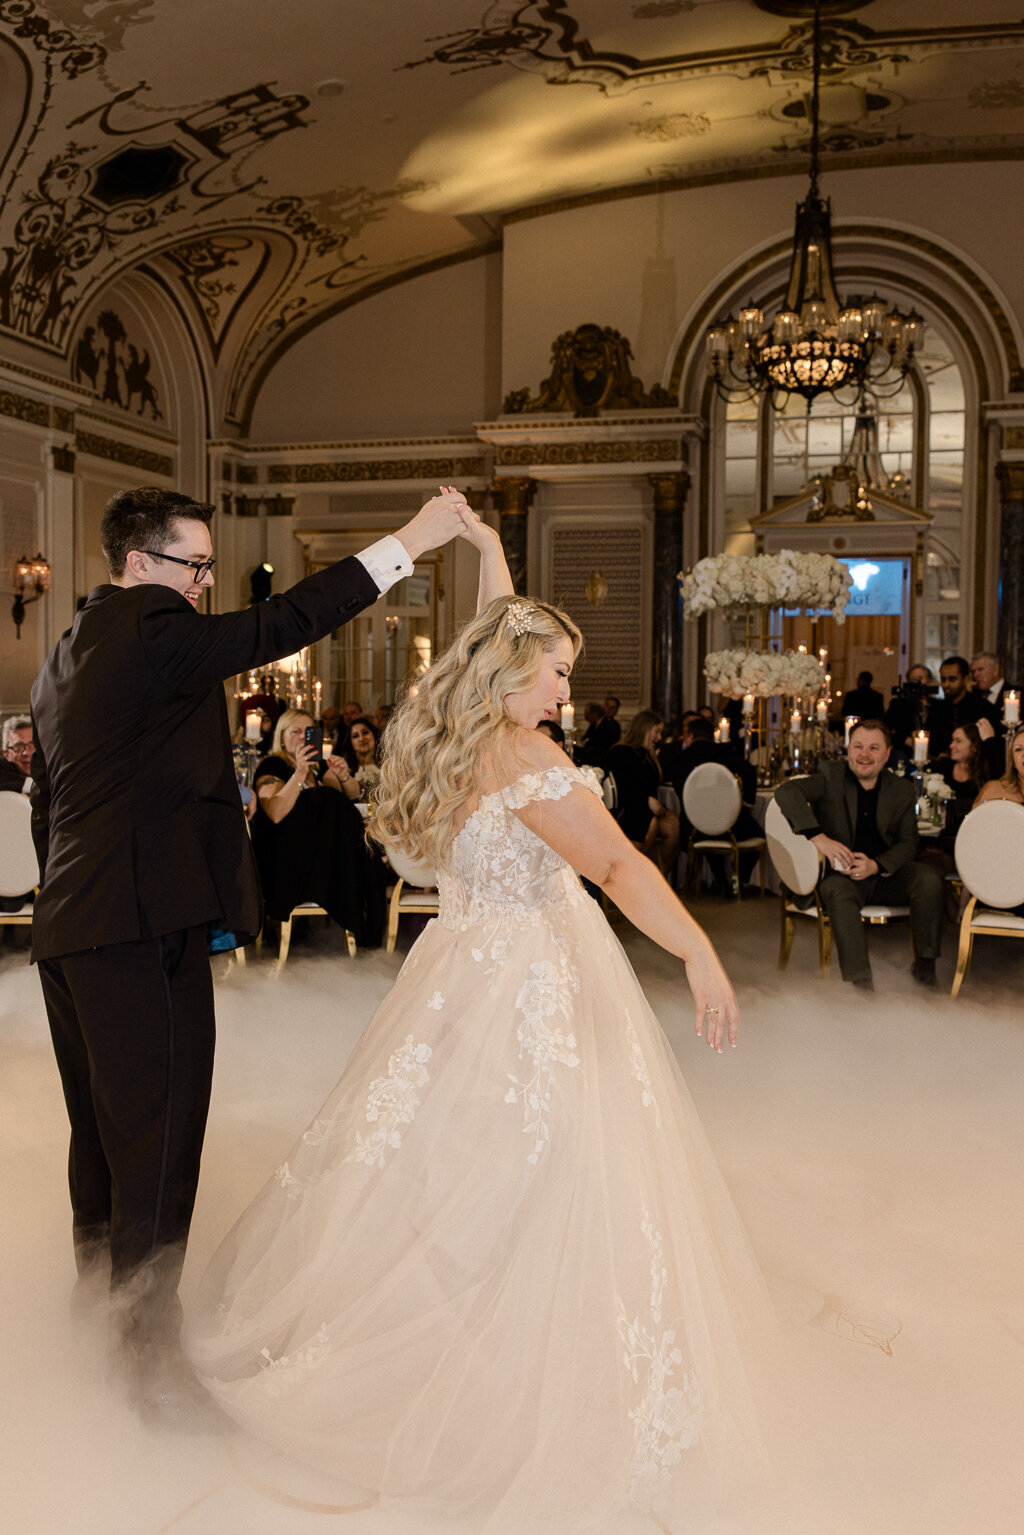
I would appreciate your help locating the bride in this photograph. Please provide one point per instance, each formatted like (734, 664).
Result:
(499, 1278)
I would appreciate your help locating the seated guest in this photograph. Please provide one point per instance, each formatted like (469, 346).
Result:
(634, 766)
(553, 729)
(330, 719)
(1011, 784)
(957, 706)
(864, 701)
(308, 836)
(359, 748)
(602, 733)
(987, 677)
(15, 770)
(966, 768)
(353, 710)
(18, 746)
(862, 819)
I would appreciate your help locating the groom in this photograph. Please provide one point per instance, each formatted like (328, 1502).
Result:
(142, 848)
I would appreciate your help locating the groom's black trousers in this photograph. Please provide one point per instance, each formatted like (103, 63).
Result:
(133, 1032)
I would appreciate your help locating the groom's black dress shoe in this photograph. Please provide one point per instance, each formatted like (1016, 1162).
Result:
(923, 971)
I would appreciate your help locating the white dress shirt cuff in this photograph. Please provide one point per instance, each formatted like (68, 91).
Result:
(386, 561)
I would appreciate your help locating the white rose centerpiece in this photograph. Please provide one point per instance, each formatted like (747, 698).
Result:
(814, 582)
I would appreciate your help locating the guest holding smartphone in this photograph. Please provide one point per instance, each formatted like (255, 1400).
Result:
(308, 835)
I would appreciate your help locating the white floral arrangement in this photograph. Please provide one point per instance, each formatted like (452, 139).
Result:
(934, 789)
(790, 579)
(766, 675)
(367, 777)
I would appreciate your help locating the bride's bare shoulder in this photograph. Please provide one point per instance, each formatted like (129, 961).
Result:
(524, 751)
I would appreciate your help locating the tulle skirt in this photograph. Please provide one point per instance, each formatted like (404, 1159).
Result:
(500, 1279)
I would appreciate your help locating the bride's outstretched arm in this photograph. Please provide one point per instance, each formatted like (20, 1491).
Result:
(495, 580)
(580, 830)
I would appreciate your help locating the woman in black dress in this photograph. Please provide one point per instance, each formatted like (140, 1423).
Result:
(634, 766)
(308, 835)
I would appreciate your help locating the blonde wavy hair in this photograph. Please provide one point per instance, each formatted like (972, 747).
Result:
(277, 748)
(433, 741)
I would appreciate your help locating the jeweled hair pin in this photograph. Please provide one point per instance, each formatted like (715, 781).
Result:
(517, 617)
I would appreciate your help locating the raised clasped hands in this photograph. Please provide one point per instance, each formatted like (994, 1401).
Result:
(438, 521)
(716, 1013)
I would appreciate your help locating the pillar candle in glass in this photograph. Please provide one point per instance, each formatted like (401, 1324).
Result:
(748, 703)
(851, 720)
(1011, 708)
(821, 712)
(568, 718)
(252, 726)
(794, 722)
(723, 729)
(920, 746)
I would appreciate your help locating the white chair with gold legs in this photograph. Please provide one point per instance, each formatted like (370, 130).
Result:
(989, 853)
(712, 800)
(797, 863)
(19, 869)
(413, 893)
(304, 909)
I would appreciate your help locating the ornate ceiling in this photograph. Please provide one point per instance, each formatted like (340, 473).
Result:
(269, 163)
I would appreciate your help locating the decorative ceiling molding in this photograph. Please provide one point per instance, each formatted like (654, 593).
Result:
(544, 37)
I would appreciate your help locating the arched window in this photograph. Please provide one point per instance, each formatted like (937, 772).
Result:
(771, 456)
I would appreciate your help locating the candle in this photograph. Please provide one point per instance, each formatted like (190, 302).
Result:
(823, 657)
(801, 650)
(851, 720)
(920, 746)
(794, 722)
(252, 725)
(317, 687)
(821, 711)
(748, 703)
(718, 734)
(724, 729)
(568, 718)
(1011, 708)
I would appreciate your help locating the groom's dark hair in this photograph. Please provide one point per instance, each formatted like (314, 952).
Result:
(144, 519)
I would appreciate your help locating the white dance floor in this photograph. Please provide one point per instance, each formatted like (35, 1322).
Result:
(873, 1144)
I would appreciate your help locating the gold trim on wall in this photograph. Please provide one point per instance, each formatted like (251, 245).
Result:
(124, 453)
(375, 469)
(653, 451)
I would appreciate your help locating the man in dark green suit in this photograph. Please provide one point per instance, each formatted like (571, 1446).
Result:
(862, 819)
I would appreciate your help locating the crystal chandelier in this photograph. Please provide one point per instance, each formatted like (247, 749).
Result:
(814, 345)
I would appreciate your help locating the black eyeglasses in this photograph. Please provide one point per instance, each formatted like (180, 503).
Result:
(201, 567)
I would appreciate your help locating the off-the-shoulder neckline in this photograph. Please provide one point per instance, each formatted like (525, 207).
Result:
(570, 771)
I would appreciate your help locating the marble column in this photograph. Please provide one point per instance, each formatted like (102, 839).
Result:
(667, 606)
(512, 497)
(1011, 571)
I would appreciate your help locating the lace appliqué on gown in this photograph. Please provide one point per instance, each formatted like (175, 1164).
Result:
(303, 1359)
(638, 1067)
(667, 1418)
(546, 993)
(392, 1102)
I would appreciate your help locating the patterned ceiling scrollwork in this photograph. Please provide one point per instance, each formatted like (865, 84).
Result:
(344, 149)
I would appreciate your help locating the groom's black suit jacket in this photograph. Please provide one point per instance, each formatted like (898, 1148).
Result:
(137, 818)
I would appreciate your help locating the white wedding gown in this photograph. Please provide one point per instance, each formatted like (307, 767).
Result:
(500, 1277)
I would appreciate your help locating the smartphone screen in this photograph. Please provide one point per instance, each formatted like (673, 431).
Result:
(315, 737)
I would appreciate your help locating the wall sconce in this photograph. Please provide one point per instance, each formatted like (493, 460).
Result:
(29, 576)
